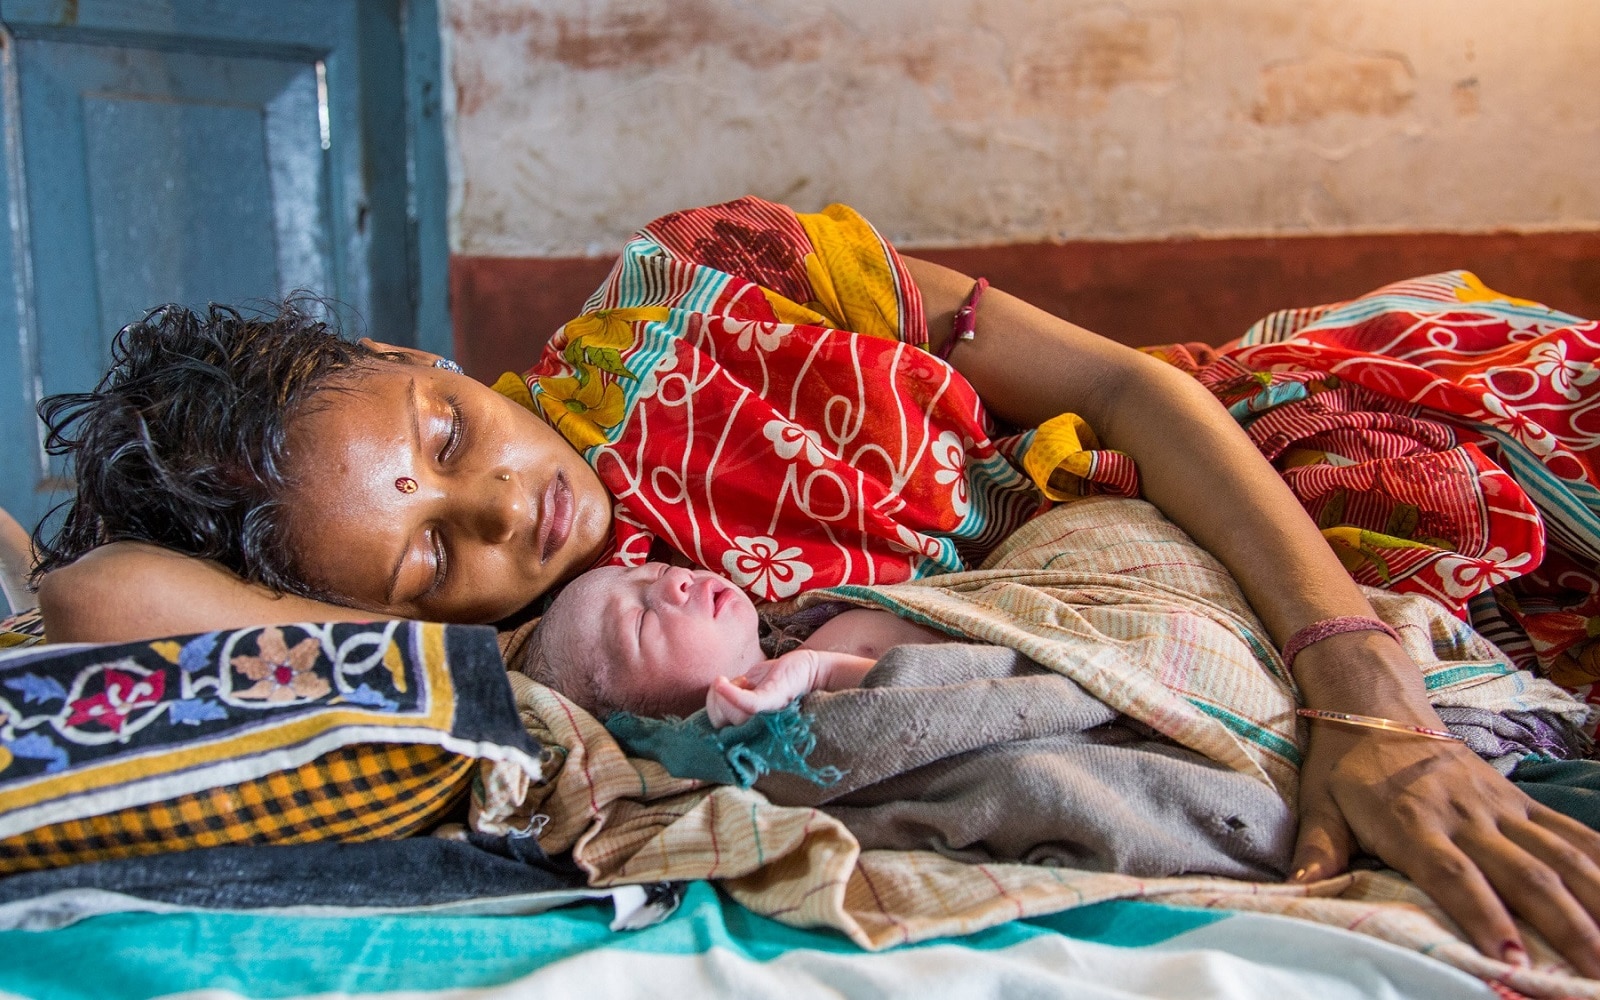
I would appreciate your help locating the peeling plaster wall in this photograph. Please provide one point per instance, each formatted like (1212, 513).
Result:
(969, 122)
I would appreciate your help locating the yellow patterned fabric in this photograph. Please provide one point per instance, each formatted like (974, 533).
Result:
(1065, 461)
(362, 792)
(25, 628)
(851, 274)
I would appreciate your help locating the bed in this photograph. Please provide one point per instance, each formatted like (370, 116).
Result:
(248, 812)
(315, 878)
(709, 947)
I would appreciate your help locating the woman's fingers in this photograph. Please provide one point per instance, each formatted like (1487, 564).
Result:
(1570, 853)
(1324, 843)
(1473, 842)
(1455, 881)
(1556, 899)
(1567, 846)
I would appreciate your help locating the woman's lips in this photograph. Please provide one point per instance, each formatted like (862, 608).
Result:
(556, 522)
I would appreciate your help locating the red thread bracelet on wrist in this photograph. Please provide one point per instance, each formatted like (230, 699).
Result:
(1328, 627)
(964, 325)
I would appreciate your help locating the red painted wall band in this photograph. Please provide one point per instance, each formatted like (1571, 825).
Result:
(1136, 293)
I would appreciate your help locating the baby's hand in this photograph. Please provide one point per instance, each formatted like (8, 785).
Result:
(773, 684)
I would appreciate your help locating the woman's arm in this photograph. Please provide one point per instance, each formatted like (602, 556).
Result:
(1432, 810)
(1029, 366)
(128, 591)
(16, 562)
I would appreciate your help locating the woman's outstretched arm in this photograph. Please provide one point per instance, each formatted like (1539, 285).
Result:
(1432, 810)
(16, 562)
(127, 591)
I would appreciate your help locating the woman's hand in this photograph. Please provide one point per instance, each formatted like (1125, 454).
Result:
(1437, 813)
(773, 684)
(1466, 836)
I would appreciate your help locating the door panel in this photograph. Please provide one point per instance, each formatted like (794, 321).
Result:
(177, 155)
(205, 150)
(251, 164)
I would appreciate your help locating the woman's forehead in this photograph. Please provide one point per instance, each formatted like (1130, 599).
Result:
(349, 401)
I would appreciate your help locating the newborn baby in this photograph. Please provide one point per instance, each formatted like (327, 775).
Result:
(972, 751)
(660, 640)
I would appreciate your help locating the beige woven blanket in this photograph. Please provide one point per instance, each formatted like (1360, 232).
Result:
(1105, 591)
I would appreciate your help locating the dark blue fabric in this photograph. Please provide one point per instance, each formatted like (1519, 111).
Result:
(1570, 787)
(397, 873)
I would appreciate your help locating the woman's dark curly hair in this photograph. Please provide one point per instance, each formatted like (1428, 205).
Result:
(182, 442)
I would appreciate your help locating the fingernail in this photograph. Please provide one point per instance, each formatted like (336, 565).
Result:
(1511, 953)
(1298, 876)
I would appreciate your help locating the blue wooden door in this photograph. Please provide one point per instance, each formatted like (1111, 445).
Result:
(207, 150)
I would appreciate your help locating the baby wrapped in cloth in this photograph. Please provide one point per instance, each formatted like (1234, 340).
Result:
(980, 754)
(1125, 712)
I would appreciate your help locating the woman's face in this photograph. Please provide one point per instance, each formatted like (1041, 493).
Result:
(426, 494)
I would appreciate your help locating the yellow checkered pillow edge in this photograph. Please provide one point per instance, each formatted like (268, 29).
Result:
(369, 791)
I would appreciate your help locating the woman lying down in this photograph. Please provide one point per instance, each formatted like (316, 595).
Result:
(1094, 741)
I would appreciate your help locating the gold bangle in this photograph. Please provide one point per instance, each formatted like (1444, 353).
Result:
(1374, 722)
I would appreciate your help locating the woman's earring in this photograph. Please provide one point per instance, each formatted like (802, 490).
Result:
(447, 365)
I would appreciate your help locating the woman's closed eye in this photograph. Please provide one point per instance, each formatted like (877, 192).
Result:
(457, 429)
(441, 562)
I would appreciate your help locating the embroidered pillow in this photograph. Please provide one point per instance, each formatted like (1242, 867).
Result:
(283, 734)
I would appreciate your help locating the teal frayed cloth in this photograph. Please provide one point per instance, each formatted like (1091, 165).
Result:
(735, 755)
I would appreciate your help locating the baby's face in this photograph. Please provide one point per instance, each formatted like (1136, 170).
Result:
(654, 636)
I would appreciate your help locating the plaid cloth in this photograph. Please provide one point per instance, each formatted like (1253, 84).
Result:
(354, 793)
(1161, 633)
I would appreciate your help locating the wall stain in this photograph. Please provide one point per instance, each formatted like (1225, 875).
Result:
(1331, 82)
(487, 19)
(640, 36)
(1065, 70)
(921, 64)
(806, 45)
(475, 88)
(635, 39)
(1078, 66)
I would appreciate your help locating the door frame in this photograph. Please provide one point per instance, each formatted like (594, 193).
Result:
(422, 319)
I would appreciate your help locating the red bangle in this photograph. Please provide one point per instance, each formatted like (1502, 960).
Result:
(1318, 631)
(965, 323)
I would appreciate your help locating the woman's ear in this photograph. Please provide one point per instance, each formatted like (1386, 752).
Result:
(414, 355)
